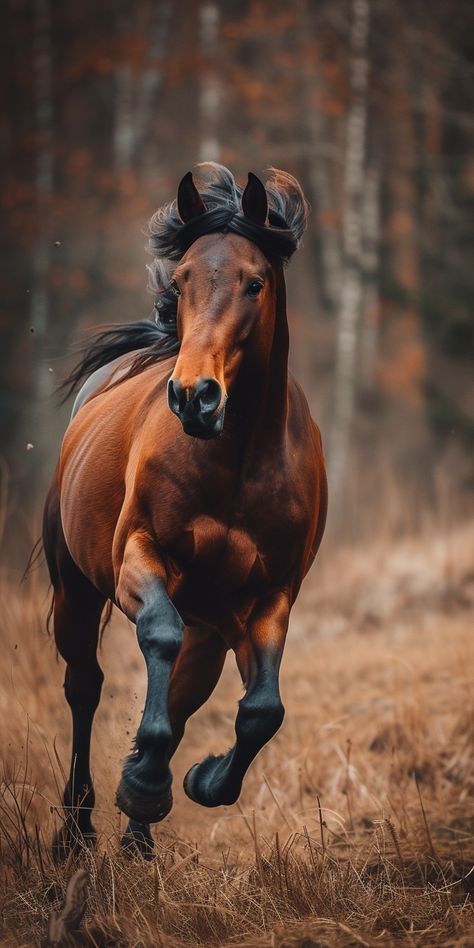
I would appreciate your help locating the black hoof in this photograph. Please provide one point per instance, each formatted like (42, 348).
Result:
(205, 783)
(143, 807)
(137, 841)
(71, 840)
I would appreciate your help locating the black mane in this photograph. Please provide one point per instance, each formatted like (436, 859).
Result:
(153, 342)
(170, 238)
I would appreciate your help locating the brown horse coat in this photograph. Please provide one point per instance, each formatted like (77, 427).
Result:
(202, 541)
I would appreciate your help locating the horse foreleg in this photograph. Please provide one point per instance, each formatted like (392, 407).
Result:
(144, 792)
(218, 780)
(193, 679)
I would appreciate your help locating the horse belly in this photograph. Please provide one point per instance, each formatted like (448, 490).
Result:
(91, 497)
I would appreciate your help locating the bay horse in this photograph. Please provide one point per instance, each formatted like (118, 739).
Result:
(190, 492)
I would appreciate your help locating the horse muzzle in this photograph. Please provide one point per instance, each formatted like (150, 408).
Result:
(200, 408)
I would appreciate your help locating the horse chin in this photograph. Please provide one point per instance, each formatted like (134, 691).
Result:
(201, 432)
(196, 429)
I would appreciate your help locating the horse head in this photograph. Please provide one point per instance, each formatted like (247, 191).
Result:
(226, 307)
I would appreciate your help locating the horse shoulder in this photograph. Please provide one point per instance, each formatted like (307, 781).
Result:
(97, 458)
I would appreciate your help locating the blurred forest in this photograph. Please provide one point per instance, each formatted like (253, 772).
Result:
(368, 102)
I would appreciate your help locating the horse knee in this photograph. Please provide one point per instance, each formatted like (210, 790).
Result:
(259, 718)
(83, 686)
(160, 629)
(163, 643)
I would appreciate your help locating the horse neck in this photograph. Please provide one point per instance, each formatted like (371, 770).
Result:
(262, 396)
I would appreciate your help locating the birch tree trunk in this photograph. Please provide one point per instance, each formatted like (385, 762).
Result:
(209, 93)
(151, 82)
(39, 312)
(318, 168)
(124, 131)
(352, 282)
(370, 262)
(135, 99)
(35, 431)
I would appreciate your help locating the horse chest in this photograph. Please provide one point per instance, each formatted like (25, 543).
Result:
(213, 548)
(251, 545)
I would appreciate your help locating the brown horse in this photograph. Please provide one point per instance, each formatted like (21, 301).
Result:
(190, 492)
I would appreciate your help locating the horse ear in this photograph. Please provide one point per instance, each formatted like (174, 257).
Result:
(254, 200)
(189, 201)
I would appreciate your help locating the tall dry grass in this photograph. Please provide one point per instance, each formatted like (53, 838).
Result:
(355, 825)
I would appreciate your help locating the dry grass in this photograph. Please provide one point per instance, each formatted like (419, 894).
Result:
(355, 826)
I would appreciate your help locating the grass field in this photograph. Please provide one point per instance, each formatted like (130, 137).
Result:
(356, 823)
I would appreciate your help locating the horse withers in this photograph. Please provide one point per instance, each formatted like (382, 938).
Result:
(190, 492)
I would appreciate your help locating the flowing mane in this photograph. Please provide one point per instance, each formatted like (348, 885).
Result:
(168, 240)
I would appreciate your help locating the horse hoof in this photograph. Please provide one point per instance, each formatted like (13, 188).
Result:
(143, 807)
(70, 840)
(137, 841)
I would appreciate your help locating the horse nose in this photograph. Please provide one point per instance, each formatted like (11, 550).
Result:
(207, 396)
(176, 396)
(203, 401)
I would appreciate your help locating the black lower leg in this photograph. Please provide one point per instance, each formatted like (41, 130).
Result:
(218, 780)
(194, 677)
(144, 792)
(137, 840)
(82, 689)
(77, 609)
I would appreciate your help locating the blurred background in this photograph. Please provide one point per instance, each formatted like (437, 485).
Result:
(105, 106)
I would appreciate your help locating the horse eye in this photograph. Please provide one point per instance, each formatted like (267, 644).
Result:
(254, 288)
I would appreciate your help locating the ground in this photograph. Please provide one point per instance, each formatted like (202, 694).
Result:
(356, 823)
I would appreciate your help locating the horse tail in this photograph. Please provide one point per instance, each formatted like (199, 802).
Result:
(33, 559)
(157, 341)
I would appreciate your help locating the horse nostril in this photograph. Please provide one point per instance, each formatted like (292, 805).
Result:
(208, 395)
(176, 396)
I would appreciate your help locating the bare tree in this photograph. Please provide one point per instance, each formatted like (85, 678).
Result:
(370, 263)
(39, 313)
(352, 281)
(321, 156)
(136, 98)
(209, 95)
(152, 76)
(124, 132)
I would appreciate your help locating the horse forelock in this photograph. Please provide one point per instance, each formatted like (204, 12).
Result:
(275, 242)
(170, 238)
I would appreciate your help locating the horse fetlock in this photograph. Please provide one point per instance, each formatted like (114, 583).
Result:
(143, 802)
(209, 783)
(81, 799)
(72, 838)
(154, 738)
